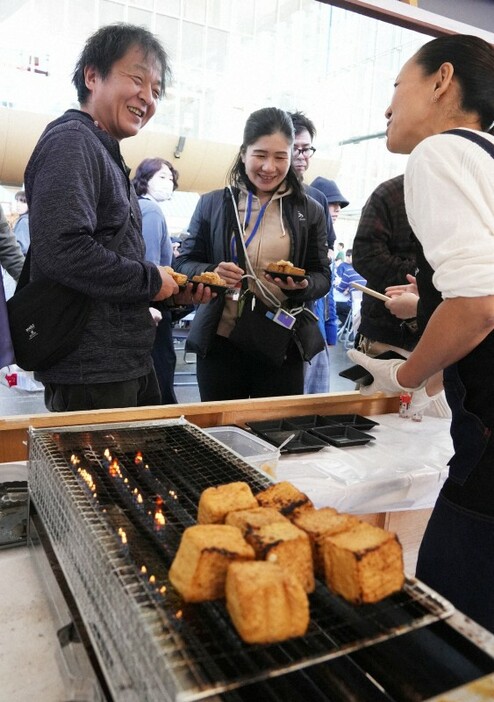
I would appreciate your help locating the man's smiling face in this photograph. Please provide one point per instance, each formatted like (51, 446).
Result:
(124, 101)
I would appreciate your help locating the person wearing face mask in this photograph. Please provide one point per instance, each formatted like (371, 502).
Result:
(21, 227)
(266, 206)
(154, 182)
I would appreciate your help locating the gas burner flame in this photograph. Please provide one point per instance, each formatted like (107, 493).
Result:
(114, 469)
(123, 536)
(75, 460)
(88, 479)
(138, 458)
(159, 518)
(173, 494)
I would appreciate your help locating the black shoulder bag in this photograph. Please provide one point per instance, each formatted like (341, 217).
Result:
(265, 333)
(46, 318)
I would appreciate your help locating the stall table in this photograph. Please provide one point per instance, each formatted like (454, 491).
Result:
(392, 482)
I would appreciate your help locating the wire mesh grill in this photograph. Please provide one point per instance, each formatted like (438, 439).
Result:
(115, 501)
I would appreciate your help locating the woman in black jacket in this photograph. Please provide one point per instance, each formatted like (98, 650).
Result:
(266, 206)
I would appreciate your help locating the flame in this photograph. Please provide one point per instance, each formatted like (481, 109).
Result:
(144, 570)
(75, 460)
(162, 590)
(173, 494)
(138, 458)
(152, 579)
(114, 469)
(179, 614)
(123, 536)
(159, 518)
(139, 498)
(88, 479)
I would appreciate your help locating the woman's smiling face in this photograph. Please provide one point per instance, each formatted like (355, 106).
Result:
(267, 162)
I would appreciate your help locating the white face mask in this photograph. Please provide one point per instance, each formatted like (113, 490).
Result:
(160, 186)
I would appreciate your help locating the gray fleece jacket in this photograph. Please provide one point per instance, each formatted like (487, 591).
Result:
(79, 195)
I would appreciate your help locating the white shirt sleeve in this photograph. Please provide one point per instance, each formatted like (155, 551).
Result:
(449, 197)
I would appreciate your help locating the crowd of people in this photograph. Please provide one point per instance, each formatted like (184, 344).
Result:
(410, 245)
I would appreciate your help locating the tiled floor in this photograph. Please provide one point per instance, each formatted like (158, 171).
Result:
(14, 401)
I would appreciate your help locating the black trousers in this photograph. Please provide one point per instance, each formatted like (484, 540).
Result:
(127, 393)
(165, 359)
(228, 373)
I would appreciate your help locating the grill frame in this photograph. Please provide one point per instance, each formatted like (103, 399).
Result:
(140, 649)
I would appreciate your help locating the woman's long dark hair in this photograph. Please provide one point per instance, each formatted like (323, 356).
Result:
(473, 61)
(263, 122)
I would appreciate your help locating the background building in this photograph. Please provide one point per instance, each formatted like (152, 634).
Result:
(228, 59)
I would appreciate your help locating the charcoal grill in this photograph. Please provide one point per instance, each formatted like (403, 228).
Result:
(114, 501)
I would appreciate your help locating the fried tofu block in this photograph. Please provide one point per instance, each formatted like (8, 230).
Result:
(250, 520)
(285, 544)
(318, 523)
(363, 564)
(284, 267)
(216, 502)
(179, 278)
(265, 602)
(284, 497)
(199, 568)
(209, 278)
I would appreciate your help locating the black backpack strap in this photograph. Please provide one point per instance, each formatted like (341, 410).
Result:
(475, 137)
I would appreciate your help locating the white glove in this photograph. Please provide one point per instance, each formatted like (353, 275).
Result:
(384, 373)
(435, 405)
(156, 315)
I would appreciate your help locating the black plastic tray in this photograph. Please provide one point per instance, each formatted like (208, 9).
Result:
(309, 421)
(302, 440)
(341, 435)
(284, 276)
(271, 425)
(357, 421)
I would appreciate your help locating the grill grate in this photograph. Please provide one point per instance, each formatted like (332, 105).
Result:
(101, 513)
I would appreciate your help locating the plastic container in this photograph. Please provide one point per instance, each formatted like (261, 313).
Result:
(255, 451)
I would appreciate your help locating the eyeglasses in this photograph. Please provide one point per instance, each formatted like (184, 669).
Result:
(307, 151)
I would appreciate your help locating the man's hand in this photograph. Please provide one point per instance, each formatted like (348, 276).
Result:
(168, 285)
(384, 373)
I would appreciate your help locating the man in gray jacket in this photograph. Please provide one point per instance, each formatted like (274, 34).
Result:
(79, 197)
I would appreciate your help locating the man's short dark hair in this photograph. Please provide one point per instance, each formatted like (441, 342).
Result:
(300, 122)
(108, 45)
(348, 252)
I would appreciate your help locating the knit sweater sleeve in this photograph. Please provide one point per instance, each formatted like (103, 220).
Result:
(79, 199)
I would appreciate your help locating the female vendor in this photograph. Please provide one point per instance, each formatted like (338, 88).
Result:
(442, 114)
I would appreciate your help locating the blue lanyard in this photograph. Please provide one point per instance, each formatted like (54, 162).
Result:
(247, 220)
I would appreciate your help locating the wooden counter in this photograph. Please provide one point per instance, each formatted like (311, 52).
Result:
(13, 430)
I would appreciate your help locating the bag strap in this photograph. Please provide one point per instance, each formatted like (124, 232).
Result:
(112, 246)
(244, 261)
(475, 137)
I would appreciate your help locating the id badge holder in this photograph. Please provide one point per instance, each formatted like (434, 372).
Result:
(284, 318)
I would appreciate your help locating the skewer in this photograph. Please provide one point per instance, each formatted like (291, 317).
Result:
(371, 292)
